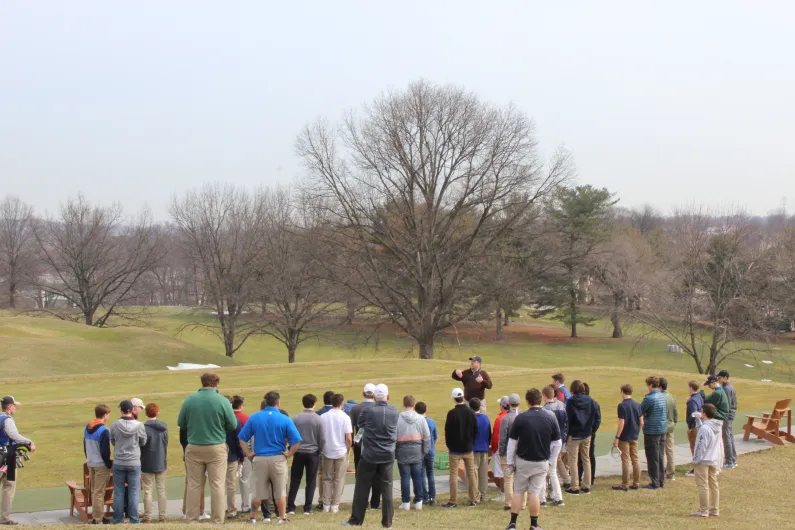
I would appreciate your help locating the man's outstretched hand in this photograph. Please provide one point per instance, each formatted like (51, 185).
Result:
(459, 373)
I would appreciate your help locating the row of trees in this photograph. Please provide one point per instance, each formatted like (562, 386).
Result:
(426, 208)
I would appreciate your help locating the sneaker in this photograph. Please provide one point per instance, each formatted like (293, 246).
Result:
(319, 507)
(650, 487)
(499, 498)
(252, 520)
(536, 528)
(558, 503)
(418, 505)
(714, 514)
(283, 521)
(572, 492)
(291, 512)
(585, 491)
(733, 466)
(635, 487)
(335, 508)
(404, 506)
(431, 502)
(233, 515)
(620, 488)
(565, 486)
(699, 514)
(204, 517)
(690, 473)
(511, 526)
(472, 504)
(266, 519)
(452, 505)
(326, 509)
(670, 479)
(543, 504)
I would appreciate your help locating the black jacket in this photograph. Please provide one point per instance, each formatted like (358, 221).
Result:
(460, 429)
(236, 453)
(154, 452)
(582, 413)
(379, 423)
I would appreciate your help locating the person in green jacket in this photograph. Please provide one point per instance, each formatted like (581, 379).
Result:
(206, 416)
(671, 419)
(717, 398)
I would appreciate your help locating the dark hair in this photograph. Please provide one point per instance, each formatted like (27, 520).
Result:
(533, 397)
(100, 411)
(210, 380)
(474, 404)
(459, 399)
(548, 391)
(327, 397)
(263, 404)
(559, 378)
(653, 381)
(709, 410)
(237, 402)
(409, 401)
(587, 388)
(272, 398)
(152, 410)
(626, 389)
(663, 383)
(309, 401)
(577, 387)
(420, 407)
(693, 385)
(337, 400)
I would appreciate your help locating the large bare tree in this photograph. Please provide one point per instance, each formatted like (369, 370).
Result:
(222, 230)
(93, 257)
(16, 245)
(419, 184)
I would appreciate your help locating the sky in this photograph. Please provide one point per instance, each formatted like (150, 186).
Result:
(666, 103)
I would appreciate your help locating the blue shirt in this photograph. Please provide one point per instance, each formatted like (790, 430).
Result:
(270, 428)
(483, 439)
(434, 435)
(655, 410)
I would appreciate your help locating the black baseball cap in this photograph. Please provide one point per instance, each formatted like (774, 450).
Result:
(9, 400)
(476, 358)
(711, 379)
(723, 373)
(126, 406)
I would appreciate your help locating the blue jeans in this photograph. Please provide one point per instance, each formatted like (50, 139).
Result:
(131, 476)
(413, 473)
(429, 487)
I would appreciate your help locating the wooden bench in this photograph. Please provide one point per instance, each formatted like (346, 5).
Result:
(80, 497)
(768, 426)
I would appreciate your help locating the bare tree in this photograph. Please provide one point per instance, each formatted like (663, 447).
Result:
(94, 257)
(222, 231)
(16, 245)
(417, 186)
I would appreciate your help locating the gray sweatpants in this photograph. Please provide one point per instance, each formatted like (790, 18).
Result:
(729, 453)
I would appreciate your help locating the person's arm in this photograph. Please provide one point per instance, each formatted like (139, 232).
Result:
(426, 438)
(489, 431)
(619, 430)
(449, 433)
(556, 434)
(598, 417)
(230, 420)
(11, 431)
(645, 405)
(183, 438)
(142, 437)
(111, 435)
(676, 413)
(699, 448)
(294, 438)
(474, 421)
(165, 436)
(495, 438)
(486, 380)
(458, 375)
(513, 441)
(349, 434)
(104, 448)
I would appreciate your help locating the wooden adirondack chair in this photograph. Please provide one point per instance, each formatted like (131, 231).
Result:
(768, 426)
(80, 500)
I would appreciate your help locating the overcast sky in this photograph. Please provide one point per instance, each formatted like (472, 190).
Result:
(661, 102)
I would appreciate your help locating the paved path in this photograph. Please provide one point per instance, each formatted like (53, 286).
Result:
(605, 466)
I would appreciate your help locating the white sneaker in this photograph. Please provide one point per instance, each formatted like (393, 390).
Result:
(405, 506)
(418, 505)
(335, 508)
(204, 517)
(283, 521)
(327, 508)
(253, 520)
(499, 498)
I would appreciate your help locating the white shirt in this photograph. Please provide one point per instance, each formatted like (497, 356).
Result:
(336, 424)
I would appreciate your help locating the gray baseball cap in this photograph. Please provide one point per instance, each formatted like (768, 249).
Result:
(514, 399)
(503, 401)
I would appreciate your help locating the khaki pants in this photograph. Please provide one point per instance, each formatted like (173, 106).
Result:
(708, 492)
(212, 459)
(334, 470)
(629, 460)
(148, 482)
(508, 485)
(98, 478)
(482, 468)
(670, 471)
(244, 483)
(231, 486)
(320, 480)
(472, 478)
(8, 488)
(582, 449)
(691, 437)
(563, 466)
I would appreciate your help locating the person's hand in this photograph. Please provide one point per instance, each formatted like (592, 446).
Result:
(32, 448)
(286, 454)
(615, 442)
(479, 379)
(250, 456)
(459, 373)
(510, 469)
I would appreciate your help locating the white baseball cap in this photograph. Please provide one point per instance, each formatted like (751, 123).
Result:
(138, 402)
(457, 393)
(381, 391)
(369, 388)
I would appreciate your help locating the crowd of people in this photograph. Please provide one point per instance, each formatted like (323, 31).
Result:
(538, 452)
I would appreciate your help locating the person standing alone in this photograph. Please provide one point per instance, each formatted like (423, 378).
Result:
(729, 452)
(655, 423)
(127, 435)
(475, 380)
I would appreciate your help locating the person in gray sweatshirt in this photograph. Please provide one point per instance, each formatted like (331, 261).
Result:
(413, 443)
(729, 452)
(153, 462)
(127, 435)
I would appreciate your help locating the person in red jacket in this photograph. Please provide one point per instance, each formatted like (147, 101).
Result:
(494, 449)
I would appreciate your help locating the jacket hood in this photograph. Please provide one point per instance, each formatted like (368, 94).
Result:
(94, 425)
(714, 426)
(579, 401)
(127, 425)
(410, 416)
(156, 425)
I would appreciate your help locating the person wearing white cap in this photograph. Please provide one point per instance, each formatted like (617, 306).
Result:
(460, 431)
(138, 406)
(378, 429)
(368, 393)
(8, 479)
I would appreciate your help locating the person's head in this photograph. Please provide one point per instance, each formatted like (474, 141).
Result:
(337, 400)
(327, 397)
(210, 380)
(273, 399)
(533, 397)
(577, 387)
(308, 401)
(709, 410)
(237, 402)
(558, 380)
(369, 391)
(381, 392)
(503, 402)
(9, 405)
(723, 377)
(692, 387)
(409, 402)
(474, 404)
(653, 382)
(475, 363)
(263, 404)
(548, 393)
(712, 382)
(101, 412)
(458, 396)
(126, 408)
(421, 408)
(586, 388)
(626, 390)
(663, 384)
(514, 400)
(138, 406)
(152, 411)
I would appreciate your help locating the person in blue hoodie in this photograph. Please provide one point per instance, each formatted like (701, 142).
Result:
(481, 448)
(429, 485)
(694, 404)
(96, 446)
(582, 412)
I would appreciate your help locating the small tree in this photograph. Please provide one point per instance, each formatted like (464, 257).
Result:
(17, 250)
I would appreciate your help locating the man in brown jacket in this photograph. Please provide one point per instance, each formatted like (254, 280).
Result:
(475, 380)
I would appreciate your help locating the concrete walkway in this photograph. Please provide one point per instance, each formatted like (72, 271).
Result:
(605, 466)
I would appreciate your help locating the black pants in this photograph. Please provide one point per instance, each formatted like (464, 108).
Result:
(375, 495)
(301, 462)
(654, 444)
(593, 462)
(367, 475)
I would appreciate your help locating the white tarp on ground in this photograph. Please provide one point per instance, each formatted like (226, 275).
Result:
(191, 366)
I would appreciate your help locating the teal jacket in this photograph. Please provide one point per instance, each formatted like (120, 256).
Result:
(655, 412)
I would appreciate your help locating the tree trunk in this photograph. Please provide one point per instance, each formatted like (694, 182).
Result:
(350, 310)
(573, 287)
(507, 321)
(499, 323)
(89, 318)
(426, 348)
(291, 353)
(574, 330)
(614, 318)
